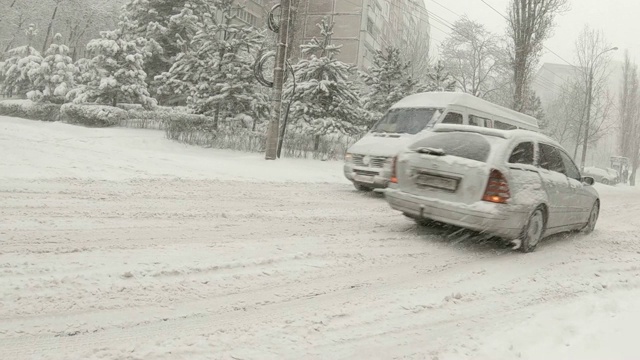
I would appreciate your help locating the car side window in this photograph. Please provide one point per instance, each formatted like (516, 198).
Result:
(522, 154)
(452, 118)
(551, 159)
(477, 121)
(503, 126)
(572, 170)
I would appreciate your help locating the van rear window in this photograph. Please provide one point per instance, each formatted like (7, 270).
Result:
(465, 145)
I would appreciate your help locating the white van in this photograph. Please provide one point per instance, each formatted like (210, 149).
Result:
(368, 162)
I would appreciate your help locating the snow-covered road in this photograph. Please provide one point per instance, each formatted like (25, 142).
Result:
(118, 244)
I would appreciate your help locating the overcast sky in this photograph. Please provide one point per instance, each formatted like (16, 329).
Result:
(617, 18)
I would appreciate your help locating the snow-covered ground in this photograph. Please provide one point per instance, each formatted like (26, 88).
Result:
(119, 244)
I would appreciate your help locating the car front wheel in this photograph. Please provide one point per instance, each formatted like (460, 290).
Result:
(593, 218)
(533, 231)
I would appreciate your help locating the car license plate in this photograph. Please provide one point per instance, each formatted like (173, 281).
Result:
(437, 182)
(365, 179)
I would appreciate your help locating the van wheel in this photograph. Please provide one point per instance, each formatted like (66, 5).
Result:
(593, 218)
(533, 231)
(362, 188)
(423, 222)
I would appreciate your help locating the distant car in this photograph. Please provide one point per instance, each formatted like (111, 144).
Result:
(602, 176)
(515, 184)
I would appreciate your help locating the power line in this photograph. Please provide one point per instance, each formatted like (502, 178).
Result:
(446, 8)
(440, 20)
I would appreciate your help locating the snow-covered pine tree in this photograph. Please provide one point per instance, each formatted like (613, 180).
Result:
(55, 76)
(326, 101)
(438, 79)
(115, 73)
(216, 66)
(180, 78)
(389, 80)
(84, 72)
(22, 61)
(152, 20)
(533, 107)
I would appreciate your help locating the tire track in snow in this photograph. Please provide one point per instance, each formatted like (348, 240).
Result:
(368, 274)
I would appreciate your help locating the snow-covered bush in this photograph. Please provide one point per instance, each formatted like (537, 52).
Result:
(115, 73)
(191, 129)
(161, 118)
(15, 71)
(26, 109)
(92, 115)
(54, 77)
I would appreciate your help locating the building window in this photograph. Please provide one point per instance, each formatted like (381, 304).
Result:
(247, 17)
(371, 28)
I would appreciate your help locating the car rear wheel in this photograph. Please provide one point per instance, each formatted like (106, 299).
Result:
(533, 231)
(593, 218)
(605, 182)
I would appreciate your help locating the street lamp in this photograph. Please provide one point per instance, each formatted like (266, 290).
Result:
(589, 100)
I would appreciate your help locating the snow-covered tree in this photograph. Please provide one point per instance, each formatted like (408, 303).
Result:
(115, 72)
(438, 79)
(84, 71)
(55, 76)
(326, 101)
(534, 108)
(22, 61)
(152, 20)
(389, 80)
(215, 68)
(473, 56)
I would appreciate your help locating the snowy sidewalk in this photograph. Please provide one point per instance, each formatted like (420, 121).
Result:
(38, 150)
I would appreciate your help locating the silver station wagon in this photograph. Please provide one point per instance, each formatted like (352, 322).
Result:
(515, 184)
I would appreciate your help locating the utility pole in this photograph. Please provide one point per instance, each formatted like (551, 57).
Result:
(278, 81)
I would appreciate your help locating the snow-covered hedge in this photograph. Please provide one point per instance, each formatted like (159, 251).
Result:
(190, 129)
(92, 115)
(296, 145)
(26, 109)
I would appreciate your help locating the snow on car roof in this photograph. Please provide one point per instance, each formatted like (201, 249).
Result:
(505, 134)
(444, 99)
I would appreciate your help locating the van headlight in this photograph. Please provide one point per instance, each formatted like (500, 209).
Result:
(348, 157)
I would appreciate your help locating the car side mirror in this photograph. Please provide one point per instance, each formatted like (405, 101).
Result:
(588, 180)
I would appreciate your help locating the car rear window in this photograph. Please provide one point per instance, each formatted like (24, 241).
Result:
(465, 145)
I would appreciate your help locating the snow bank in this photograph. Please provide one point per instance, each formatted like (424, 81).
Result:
(22, 102)
(619, 189)
(36, 150)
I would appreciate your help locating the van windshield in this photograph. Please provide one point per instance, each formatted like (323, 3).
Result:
(406, 120)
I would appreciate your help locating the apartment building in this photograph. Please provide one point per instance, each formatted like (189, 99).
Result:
(364, 26)
(254, 12)
(361, 26)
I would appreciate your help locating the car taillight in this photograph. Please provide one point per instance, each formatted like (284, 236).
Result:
(394, 170)
(497, 188)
